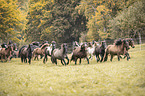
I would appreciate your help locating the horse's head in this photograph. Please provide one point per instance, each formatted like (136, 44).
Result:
(83, 47)
(125, 44)
(96, 44)
(131, 43)
(53, 43)
(89, 44)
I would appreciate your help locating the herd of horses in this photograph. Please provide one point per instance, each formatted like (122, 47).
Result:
(86, 50)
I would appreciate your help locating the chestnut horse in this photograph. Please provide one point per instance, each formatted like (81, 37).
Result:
(40, 51)
(119, 48)
(5, 53)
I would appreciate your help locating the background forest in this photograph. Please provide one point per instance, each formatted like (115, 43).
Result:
(70, 20)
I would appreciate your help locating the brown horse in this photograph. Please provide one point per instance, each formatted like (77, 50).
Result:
(79, 52)
(119, 48)
(5, 53)
(26, 52)
(39, 51)
(131, 43)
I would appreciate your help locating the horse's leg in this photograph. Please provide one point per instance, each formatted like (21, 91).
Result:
(34, 57)
(45, 58)
(80, 60)
(118, 57)
(29, 58)
(127, 55)
(62, 62)
(37, 58)
(76, 61)
(21, 59)
(105, 57)
(55, 61)
(111, 58)
(102, 55)
(67, 60)
(87, 60)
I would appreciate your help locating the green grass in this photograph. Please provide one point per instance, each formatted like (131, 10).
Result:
(116, 78)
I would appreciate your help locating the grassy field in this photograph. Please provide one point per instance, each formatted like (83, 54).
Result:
(116, 78)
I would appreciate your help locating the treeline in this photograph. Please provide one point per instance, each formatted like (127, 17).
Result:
(71, 20)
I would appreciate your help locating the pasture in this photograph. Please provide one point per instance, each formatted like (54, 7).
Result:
(116, 78)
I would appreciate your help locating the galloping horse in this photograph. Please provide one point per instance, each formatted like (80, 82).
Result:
(15, 51)
(119, 48)
(60, 54)
(26, 52)
(100, 50)
(48, 51)
(131, 43)
(40, 51)
(5, 53)
(79, 52)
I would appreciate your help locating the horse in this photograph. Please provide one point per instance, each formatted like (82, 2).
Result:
(26, 52)
(100, 50)
(5, 53)
(131, 43)
(60, 54)
(48, 51)
(39, 51)
(120, 47)
(15, 51)
(79, 52)
(90, 50)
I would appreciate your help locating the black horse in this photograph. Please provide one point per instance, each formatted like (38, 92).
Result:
(26, 52)
(100, 50)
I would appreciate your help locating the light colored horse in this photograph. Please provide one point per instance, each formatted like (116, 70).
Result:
(48, 51)
(60, 54)
(91, 49)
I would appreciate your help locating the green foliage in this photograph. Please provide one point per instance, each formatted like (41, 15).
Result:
(10, 20)
(128, 22)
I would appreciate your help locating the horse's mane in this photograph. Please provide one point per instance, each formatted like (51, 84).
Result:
(118, 42)
(44, 45)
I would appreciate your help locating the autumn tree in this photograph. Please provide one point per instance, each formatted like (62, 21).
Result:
(10, 20)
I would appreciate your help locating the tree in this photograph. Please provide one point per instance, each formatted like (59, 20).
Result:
(10, 17)
(129, 22)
